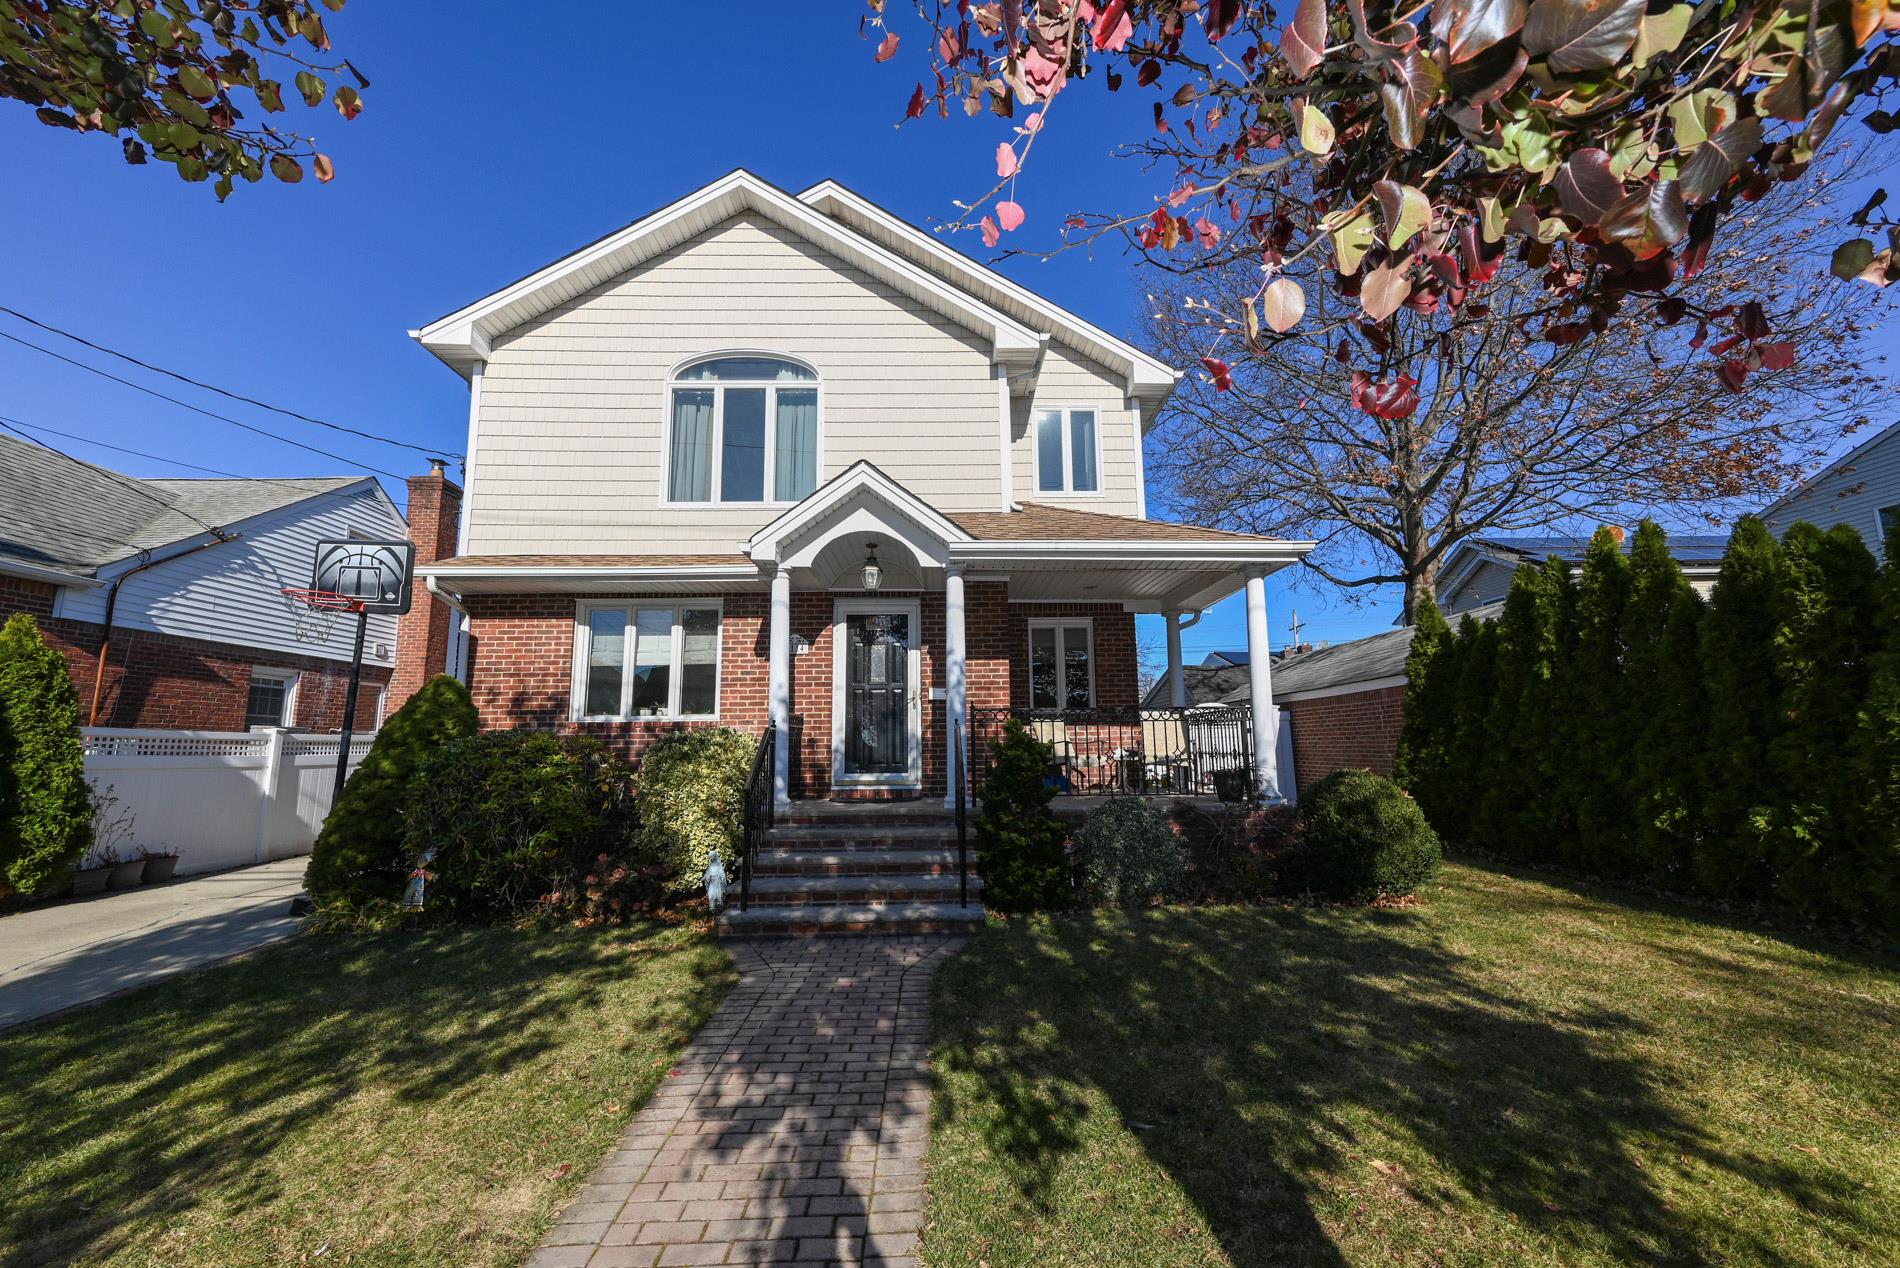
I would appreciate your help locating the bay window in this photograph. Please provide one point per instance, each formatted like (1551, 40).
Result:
(742, 429)
(1068, 451)
(645, 660)
(1061, 664)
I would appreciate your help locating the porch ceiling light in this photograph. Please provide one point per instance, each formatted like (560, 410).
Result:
(872, 576)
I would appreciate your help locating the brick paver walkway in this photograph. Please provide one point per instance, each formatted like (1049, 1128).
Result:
(794, 1130)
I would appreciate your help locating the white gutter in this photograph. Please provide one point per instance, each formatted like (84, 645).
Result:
(36, 572)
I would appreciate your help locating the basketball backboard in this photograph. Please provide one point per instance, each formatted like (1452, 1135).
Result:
(373, 572)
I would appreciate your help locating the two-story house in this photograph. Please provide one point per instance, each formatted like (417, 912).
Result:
(764, 459)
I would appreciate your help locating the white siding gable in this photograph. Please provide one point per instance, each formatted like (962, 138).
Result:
(1851, 493)
(230, 593)
(1069, 380)
(572, 416)
(1488, 582)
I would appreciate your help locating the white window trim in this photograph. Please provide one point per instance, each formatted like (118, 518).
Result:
(274, 673)
(675, 383)
(1065, 412)
(913, 777)
(583, 633)
(1058, 624)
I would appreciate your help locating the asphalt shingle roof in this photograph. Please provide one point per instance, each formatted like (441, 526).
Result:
(60, 513)
(1362, 660)
(1205, 684)
(1686, 547)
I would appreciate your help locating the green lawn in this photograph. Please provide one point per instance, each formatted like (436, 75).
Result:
(1512, 1072)
(415, 1099)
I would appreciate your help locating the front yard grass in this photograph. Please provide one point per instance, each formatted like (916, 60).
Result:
(1512, 1072)
(413, 1099)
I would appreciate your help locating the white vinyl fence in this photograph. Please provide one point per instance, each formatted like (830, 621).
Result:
(219, 798)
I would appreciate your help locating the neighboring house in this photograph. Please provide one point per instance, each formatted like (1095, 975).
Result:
(200, 637)
(1861, 488)
(691, 441)
(1203, 684)
(1479, 571)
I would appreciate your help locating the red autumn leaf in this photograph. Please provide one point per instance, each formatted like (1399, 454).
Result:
(1303, 43)
(1006, 164)
(1397, 398)
(1220, 19)
(990, 233)
(1112, 27)
(887, 47)
(1734, 373)
(1207, 233)
(1008, 215)
(1223, 377)
(1776, 356)
(915, 110)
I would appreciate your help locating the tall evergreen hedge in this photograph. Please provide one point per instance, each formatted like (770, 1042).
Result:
(45, 806)
(1744, 748)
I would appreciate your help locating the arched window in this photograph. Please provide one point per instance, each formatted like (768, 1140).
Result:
(742, 429)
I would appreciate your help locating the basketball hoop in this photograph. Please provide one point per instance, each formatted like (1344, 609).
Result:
(317, 610)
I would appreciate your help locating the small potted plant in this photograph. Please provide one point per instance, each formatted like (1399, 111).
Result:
(94, 871)
(126, 873)
(159, 864)
(111, 828)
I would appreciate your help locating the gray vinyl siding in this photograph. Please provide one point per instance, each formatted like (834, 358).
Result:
(1852, 494)
(1070, 380)
(571, 435)
(230, 593)
(1489, 582)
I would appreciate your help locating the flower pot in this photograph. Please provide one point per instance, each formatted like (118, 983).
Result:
(159, 867)
(127, 874)
(91, 880)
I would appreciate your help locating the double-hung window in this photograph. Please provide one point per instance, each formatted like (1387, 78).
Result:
(1068, 451)
(647, 661)
(742, 429)
(273, 698)
(1889, 526)
(1061, 665)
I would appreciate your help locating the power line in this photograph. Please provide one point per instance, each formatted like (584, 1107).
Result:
(127, 481)
(210, 387)
(140, 453)
(197, 409)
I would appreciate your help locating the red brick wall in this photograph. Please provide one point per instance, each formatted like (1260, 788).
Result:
(521, 667)
(422, 633)
(160, 680)
(1356, 730)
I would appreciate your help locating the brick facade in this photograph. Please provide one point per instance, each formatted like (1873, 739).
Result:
(160, 680)
(522, 653)
(422, 635)
(1358, 729)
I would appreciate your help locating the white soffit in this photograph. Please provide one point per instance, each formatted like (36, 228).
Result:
(1149, 379)
(462, 337)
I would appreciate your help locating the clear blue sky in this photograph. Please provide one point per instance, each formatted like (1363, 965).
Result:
(491, 144)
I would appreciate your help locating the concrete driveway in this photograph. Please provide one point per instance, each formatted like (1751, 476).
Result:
(54, 958)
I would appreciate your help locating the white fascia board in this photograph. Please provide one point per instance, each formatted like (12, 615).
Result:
(1148, 378)
(860, 476)
(37, 572)
(1214, 554)
(461, 338)
(1340, 689)
(580, 578)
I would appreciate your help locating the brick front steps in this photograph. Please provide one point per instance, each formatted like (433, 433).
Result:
(831, 868)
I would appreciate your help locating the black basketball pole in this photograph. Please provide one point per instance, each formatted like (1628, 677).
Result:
(349, 708)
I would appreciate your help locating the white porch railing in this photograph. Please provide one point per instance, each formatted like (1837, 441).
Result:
(219, 798)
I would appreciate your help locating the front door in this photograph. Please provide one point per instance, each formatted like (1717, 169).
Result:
(877, 694)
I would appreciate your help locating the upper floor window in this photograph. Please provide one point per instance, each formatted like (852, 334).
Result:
(1068, 452)
(742, 429)
(1889, 525)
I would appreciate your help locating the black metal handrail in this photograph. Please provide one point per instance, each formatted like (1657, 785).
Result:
(760, 808)
(1165, 752)
(960, 764)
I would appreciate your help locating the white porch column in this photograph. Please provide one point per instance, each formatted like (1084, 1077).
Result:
(956, 687)
(1177, 681)
(1266, 753)
(781, 683)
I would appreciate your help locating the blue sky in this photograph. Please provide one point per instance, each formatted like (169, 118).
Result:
(491, 145)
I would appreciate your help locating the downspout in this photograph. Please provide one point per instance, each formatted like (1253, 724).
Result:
(112, 603)
(458, 646)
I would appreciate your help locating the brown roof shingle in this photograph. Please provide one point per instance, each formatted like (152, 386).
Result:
(590, 561)
(1036, 522)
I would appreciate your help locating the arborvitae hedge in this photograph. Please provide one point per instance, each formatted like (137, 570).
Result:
(45, 805)
(1744, 748)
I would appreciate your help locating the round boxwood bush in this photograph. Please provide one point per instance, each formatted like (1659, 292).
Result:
(522, 822)
(1130, 856)
(691, 798)
(1360, 837)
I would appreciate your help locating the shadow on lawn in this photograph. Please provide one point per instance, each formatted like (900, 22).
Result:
(1249, 1054)
(144, 1105)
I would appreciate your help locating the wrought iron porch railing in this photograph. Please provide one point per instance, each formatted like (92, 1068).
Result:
(760, 808)
(961, 765)
(1206, 752)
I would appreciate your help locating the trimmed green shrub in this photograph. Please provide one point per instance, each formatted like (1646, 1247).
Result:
(521, 822)
(1361, 838)
(45, 802)
(1431, 691)
(1514, 813)
(1130, 856)
(691, 799)
(1592, 705)
(1019, 840)
(361, 853)
(1875, 857)
(1666, 791)
(1455, 814)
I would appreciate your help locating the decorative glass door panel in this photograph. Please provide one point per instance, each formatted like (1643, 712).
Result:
(877, 693)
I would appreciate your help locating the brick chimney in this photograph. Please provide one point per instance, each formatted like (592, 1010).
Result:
(422, 634)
